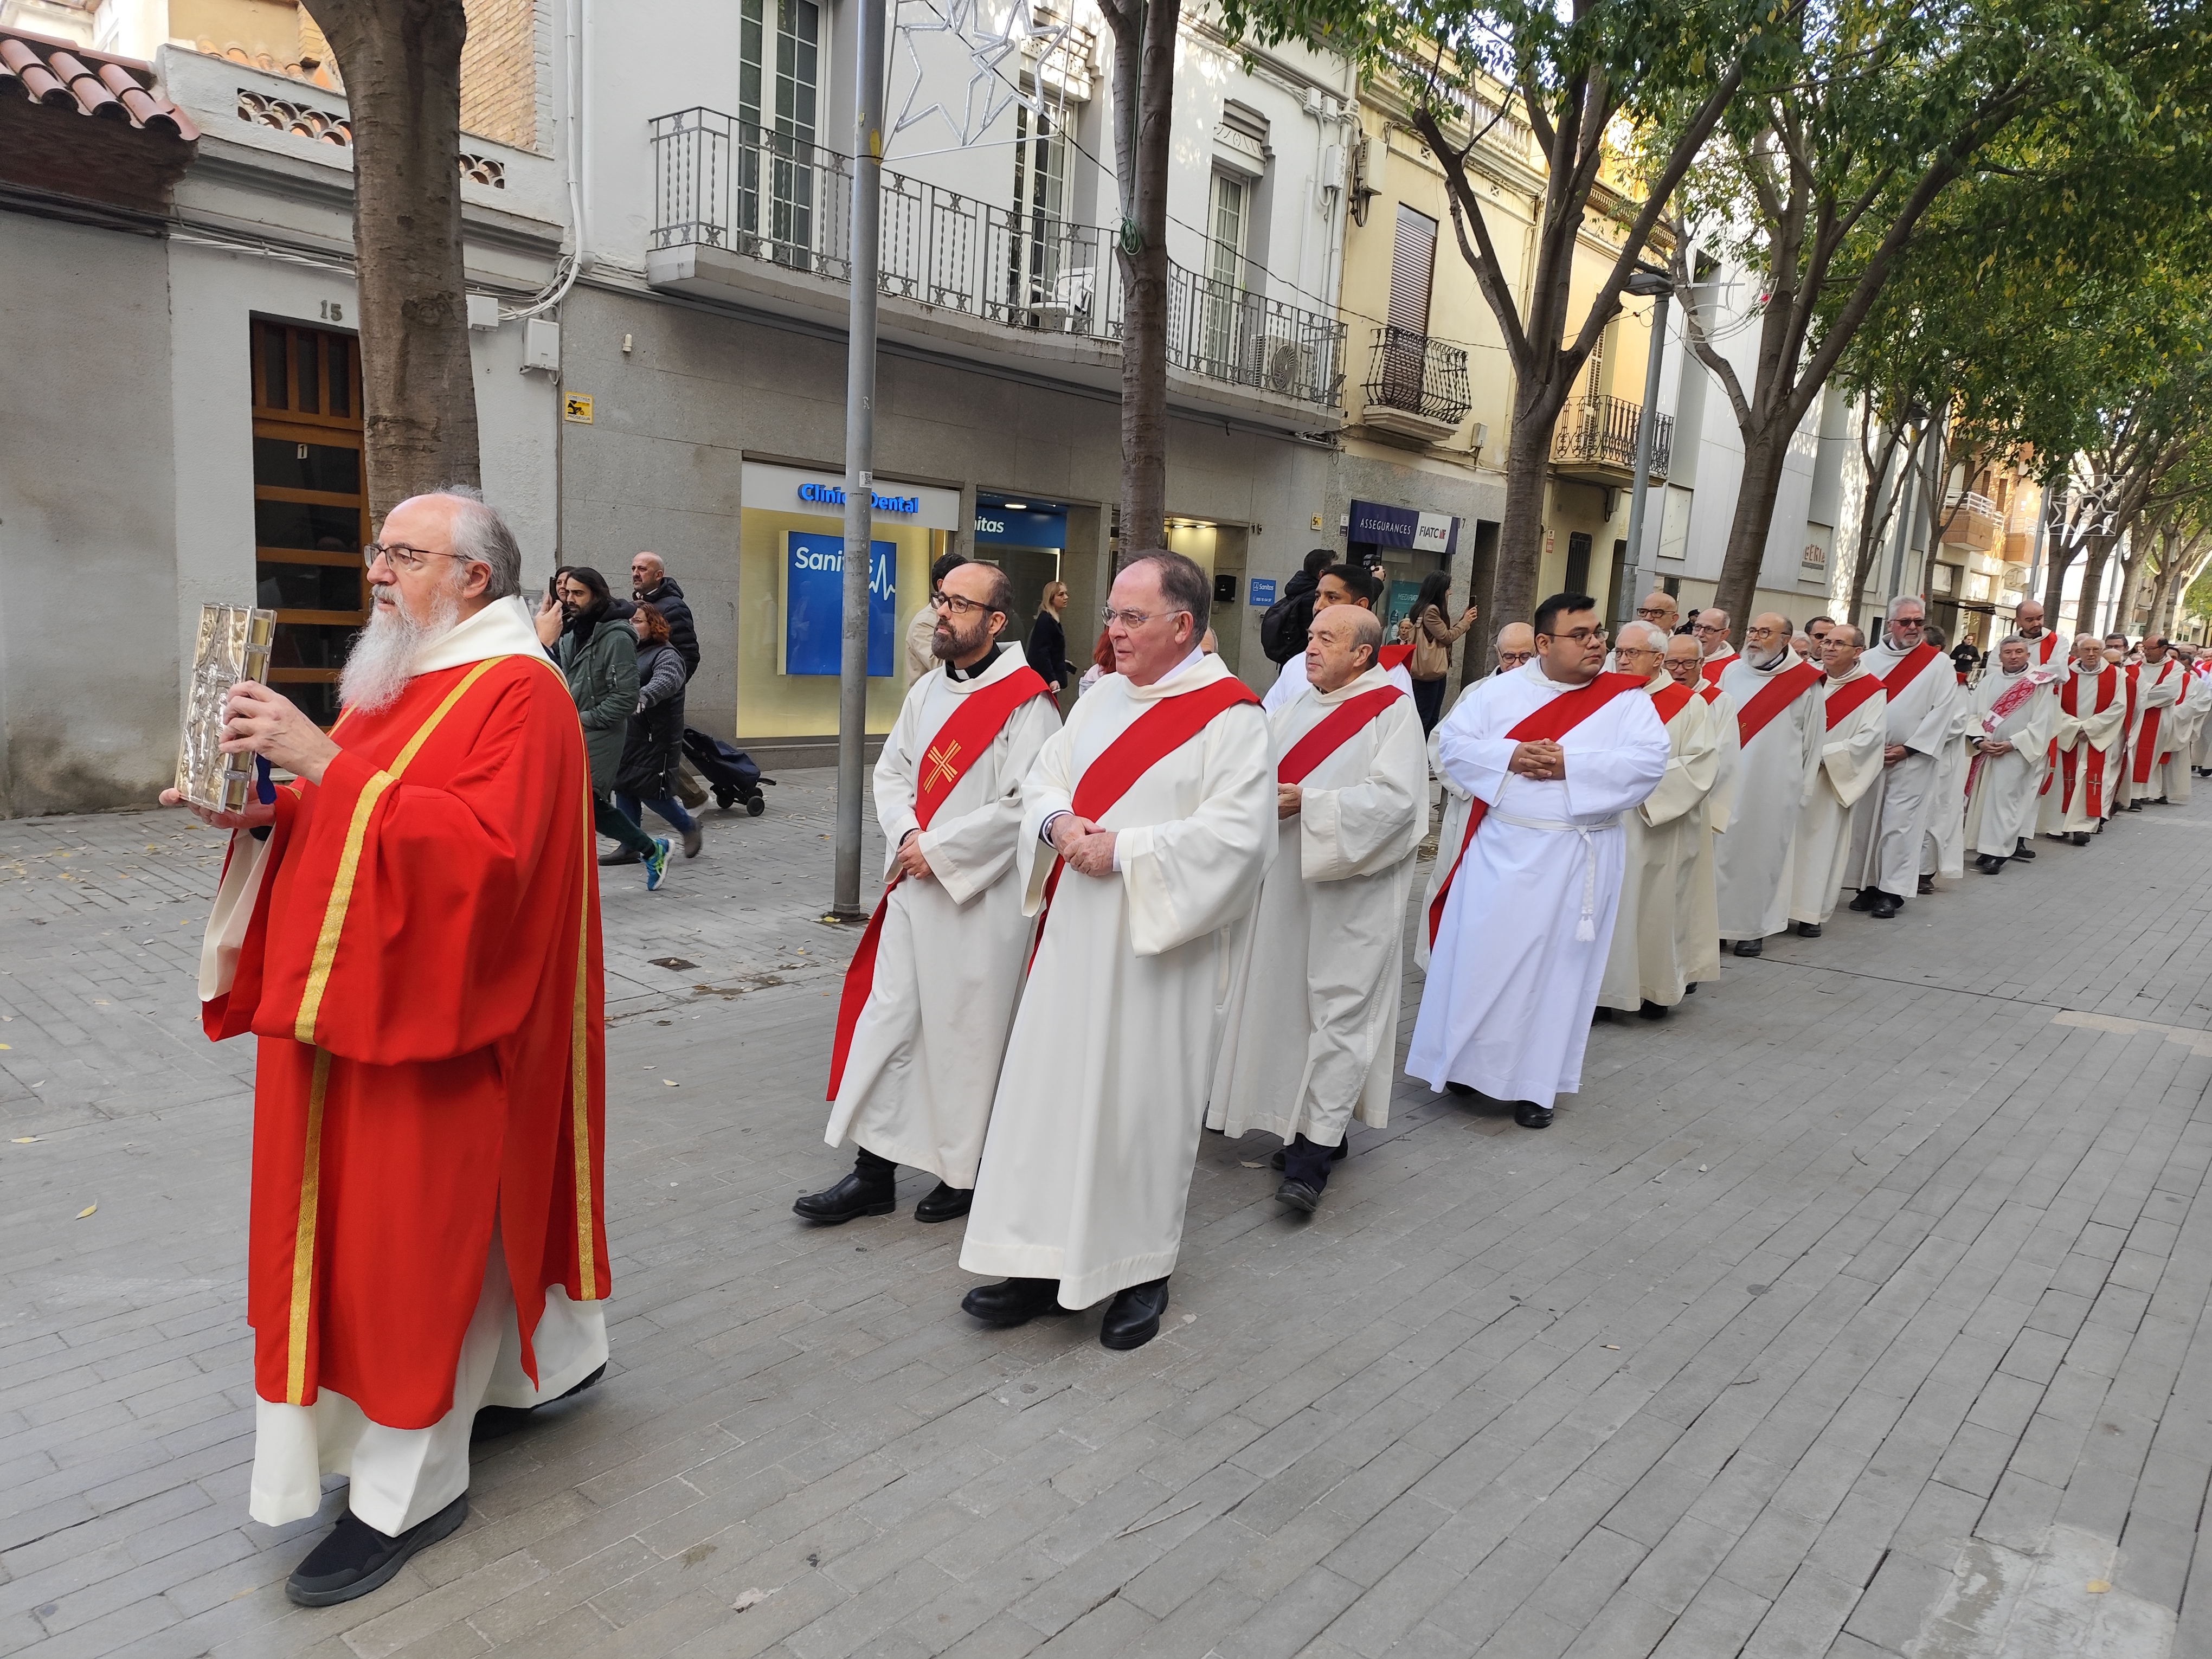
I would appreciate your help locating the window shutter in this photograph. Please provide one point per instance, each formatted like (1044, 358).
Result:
(1412, 267)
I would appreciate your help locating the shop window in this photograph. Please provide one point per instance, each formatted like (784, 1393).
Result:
(310, 506)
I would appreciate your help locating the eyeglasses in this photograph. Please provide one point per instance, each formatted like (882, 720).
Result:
(1653, 613)
(1908, 621)
(401, 557)
(1580, 636)
(1514, 658)
(1708, 627)
(953, 605)
(1132, 620)
(1638, 651)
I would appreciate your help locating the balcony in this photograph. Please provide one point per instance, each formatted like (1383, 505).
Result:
(1596, 441)
(746, 213)
(1975, 523)
(1417, 388)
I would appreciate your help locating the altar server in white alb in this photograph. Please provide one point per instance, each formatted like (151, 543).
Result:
(1853, 726)
(1891, 822)
(1646, 968)
(931, 991)
(2010, 730)
(1313, 1021)
(1552, 754)
(2151, 760)
(1779, 731)
(1943, 843)
(1148, 822)
(2188, 730)
(1513, 648)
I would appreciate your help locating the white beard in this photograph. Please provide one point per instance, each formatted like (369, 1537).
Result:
(382, 660)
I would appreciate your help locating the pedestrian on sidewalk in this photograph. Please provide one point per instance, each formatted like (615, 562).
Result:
(1432, 635)
(1047, 644)
(653, 747)
(597, 652)
(411, 931)
(650, 584)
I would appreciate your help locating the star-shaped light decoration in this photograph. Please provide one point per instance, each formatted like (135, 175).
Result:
(992, 87)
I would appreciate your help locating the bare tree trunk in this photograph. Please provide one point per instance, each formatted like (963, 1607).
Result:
(401, 61)
(1512, 596)
(1879, 509)
(1764, 454)
(2131, 582)
(2093, 582)
(1143, 100)
(2062, 556)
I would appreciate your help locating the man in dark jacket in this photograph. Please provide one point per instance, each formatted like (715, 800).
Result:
(650, 581)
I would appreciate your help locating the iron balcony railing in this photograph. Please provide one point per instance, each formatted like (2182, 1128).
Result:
(723, 183)
(1413, 374)
(1600, 432)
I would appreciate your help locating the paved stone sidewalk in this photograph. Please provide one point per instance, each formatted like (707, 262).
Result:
(1859, 1309)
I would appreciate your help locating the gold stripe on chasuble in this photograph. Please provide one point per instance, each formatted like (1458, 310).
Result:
(334, 911)
(303, 1237)
(579, 1085)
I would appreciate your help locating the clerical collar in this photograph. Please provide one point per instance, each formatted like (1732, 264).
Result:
(1774, 662)
(981, 669)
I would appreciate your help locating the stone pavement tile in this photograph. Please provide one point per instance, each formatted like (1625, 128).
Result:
(1889, 1611)
(1719, 1619)
(1805, 1619)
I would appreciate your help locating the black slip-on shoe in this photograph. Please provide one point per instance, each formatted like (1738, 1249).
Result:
(1460, 1089)
(1866, 899)
(2081, 837)
(1927, 887)
(1648, 1009)
(1886, 907)
(946, 1203)
(2023, 851)
(354, 1558)
(1342, 1150)
(620, 855)
(1133, 1319)
(1013, 1302)
(1809, 930)
(1989, 864)
(1529, 1115)
(1750, 947)
(833, 1207)
(492, 1422)
(1296, 1194)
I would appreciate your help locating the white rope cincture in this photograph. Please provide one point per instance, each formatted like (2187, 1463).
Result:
(1586, 926)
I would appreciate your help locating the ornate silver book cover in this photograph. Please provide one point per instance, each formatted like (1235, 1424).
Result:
(233, 646)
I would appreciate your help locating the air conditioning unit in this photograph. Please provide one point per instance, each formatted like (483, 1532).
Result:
(1287, 365)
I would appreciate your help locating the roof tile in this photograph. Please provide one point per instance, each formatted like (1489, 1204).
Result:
(63, 75)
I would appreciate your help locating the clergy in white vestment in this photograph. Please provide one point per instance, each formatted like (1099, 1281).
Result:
(2012, 713)
(2188, 731)
(1778, 727)
(2047, 649)
(1697, 903)
(1158, 799)
(2085, 744)
(1515, 646)
(1646, 968)
(931, 991)
(1340, 583)
(2201, 756)
(1709, 628)
(2151, 758)
(1891, 822)
(1312, 1026)
(1943, 844)
(1555, 753)
(1853, 727)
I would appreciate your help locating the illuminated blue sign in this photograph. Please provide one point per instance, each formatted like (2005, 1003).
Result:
(814, 602)
(824, 495)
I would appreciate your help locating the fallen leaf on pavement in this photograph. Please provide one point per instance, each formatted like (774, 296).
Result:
(86, 1211)
(749, 1598)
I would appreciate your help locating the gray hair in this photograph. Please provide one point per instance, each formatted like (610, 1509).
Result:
(1904, 599)
(481, 535)
(1182, 583)
(1647, 632)
(2020, 640)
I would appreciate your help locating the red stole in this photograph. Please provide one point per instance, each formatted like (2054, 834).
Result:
(1546, 724)
(2146, 755)
(1709, 669)
(1711, 694)
(1907, 668)
(2093, 774)
(1669, 700)
(1335, 728)
(1147, 740)
(1394, 656)
(1843, 699)
(2045, 647)
(1776, 695)
(968, 731)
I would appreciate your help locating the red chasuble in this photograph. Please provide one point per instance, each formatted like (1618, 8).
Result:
(968, 732)
(2146, 752)
(1546, 725)
(2068, 762)
(423, 968)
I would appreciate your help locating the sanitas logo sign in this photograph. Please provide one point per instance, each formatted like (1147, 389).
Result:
(990, 526)
(834, 495)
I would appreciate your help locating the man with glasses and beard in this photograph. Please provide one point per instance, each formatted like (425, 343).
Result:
(930, 990)
(411, 929)
(1148, 822)
(1553, 754)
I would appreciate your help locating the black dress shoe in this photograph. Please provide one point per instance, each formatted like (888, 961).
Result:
(1690, 990)
(1750, 947)
(1338, 1152)
(1297, 1195)
(2023, 851)
(2135, 806)
(1886, 905)
(1529, 1115)
(1927, 885)
(2081, 837)
(946, 1203)
(1989, 864)
(355, 1558)
(493, 1422)
(1460, 1089)
(1866, 899)
(1809, 930)
(1133, 1317)
(620, 855)
(853, 1196)
(1014, 1301)
(1600, 1015)
(1648, 1009)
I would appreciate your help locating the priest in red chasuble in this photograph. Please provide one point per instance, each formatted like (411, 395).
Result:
(411, 930)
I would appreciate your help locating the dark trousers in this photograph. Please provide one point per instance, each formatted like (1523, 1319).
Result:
(669, 809)
(1304, 1161)
(618, 825)
(1429, 700)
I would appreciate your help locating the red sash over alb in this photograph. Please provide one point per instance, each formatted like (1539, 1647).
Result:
(968, 732)
(1334, 730)
(1711, 670)
(1546, 725)
(1143, 744)
(1394, 656)
(1907, 668)
(1845, 699)
(1776, 695)
(1668, 701)
(2045, 647)
(2146, 755)
(1710, 693)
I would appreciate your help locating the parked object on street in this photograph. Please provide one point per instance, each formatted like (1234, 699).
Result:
(730, 772)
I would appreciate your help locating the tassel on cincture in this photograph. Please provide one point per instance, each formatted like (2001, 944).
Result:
(1585, 930)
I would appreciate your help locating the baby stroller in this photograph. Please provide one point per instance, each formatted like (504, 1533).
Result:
(729, 773)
